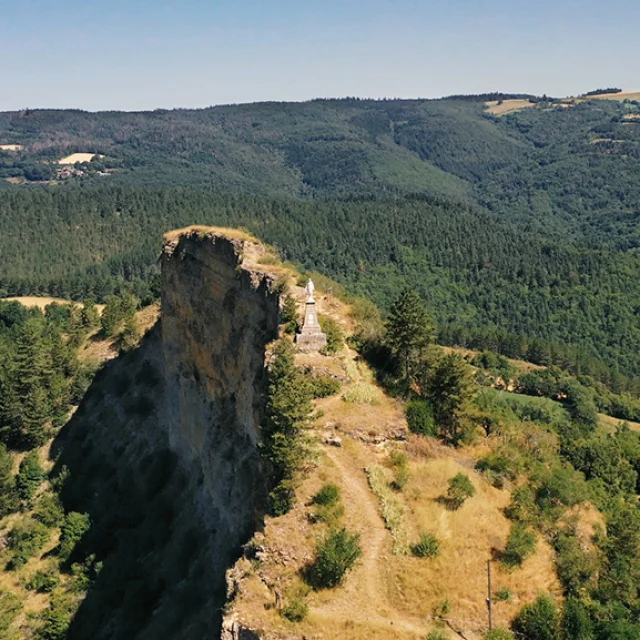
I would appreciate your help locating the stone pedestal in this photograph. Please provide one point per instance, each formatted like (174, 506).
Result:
(311, 337)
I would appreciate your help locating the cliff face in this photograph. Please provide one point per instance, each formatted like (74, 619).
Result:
(217, 318)
(163, 450)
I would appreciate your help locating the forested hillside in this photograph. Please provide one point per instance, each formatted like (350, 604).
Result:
(520, 231)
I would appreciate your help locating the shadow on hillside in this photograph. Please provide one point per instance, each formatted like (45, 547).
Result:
(154, 583)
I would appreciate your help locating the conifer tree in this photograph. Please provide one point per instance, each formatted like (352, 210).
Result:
(409, 331)
(451, 387)
(288, 411)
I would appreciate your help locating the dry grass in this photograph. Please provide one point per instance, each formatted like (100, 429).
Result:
(610, 424)
(507, 106)
(520, 365)
(618, 97)
(468, 538)
(204, 230)
(11, 147)
(43, 301)
(79, 157)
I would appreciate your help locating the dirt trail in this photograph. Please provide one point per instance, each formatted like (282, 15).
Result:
(366, 585)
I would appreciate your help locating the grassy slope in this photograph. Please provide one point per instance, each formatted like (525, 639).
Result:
(388, 595)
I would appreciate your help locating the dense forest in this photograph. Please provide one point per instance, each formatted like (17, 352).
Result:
(519, 230)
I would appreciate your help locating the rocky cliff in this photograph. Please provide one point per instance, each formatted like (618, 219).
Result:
(163, 451)
(217, 317)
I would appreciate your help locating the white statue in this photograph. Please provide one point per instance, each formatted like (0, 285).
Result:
(309, 289)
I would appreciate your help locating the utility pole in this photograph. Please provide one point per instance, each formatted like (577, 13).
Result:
(489, 594)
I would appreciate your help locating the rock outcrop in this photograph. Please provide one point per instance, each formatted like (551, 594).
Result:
(163, 450)
(217, 318)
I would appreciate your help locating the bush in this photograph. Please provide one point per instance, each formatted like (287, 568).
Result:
(335, 337)
(460, 488)
(295, 610)
(503, 594)
(420, 418)
(328, 496)
(49, 510)
(25, 540)
(523, 507)
(436, 634)
(75, 525)
(498, 634)
(44, 581)
(335, 555)
(538, 621)
(10, 607)
(323, 386)
(400, 467)
(576, 623)
(29, 477)
(427, 547)
(521, 543)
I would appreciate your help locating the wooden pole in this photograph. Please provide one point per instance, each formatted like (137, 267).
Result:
(489, 594)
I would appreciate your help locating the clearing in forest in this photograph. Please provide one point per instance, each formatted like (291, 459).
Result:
(79, 157)
(620, 97)
(11, 147)
(500, 107)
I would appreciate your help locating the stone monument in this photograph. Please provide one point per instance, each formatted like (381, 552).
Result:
(311, 337)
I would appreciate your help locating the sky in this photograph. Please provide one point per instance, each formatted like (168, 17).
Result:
(148, 54)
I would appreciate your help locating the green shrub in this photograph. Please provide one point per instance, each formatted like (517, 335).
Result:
(323, 386)
(328, 496)
(523, 506)
(420, 418)
(10, 607)
(400, 466)
(560, 486)
(57, 618)
(44, 581)
(460, 489)
(335, 555)
(335, 337)
(498, 634)
(521, 543)
(49, 510)
(437, 634)
(25, 540)
(538, 620)
(75, 525)
(289, 315)
(428, 546)
(576, 623)
(503, 594)
(295, 610)
(30, 476)
(499, 467)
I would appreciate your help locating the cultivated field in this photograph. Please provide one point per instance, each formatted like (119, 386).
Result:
(79, 157)
(507, 106)
(620, 97)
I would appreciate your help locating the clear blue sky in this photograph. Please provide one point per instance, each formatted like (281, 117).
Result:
(144, 54)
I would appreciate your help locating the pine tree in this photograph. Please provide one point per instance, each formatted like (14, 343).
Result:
(288, 412)
(409, 331)
(451, 388)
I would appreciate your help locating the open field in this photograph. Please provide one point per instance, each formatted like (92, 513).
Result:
(79, 157)
(610, 424)
(507, 106)
(619, 97)
(37, 301)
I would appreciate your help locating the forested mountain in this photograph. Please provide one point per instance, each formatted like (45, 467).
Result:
(520, 231)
